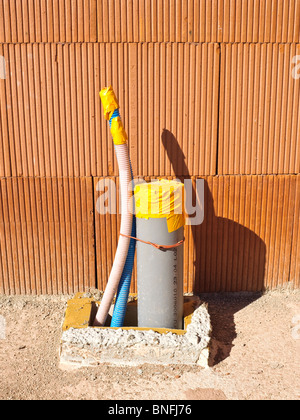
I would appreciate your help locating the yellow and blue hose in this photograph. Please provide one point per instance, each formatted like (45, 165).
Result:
(120, 276)
(125, 281)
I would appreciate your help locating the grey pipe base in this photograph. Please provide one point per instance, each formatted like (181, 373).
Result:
(159, 276)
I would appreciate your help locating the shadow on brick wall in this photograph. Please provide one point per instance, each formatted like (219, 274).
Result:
(228, 256)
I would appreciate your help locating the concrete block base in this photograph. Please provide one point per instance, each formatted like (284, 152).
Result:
(83, 345)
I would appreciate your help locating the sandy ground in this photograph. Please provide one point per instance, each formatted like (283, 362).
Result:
(254, 354)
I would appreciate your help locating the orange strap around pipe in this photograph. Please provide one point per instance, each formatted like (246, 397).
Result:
(161, 247)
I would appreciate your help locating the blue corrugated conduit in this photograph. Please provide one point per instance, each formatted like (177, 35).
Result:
(125, 281)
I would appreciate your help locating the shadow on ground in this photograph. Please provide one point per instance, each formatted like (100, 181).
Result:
(222, 308)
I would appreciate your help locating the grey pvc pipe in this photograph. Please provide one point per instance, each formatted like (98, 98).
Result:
(159, 276)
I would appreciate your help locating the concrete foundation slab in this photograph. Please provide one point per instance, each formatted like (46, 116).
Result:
(83, 345)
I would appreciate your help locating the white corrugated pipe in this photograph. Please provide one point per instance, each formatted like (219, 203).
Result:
(121, 150)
